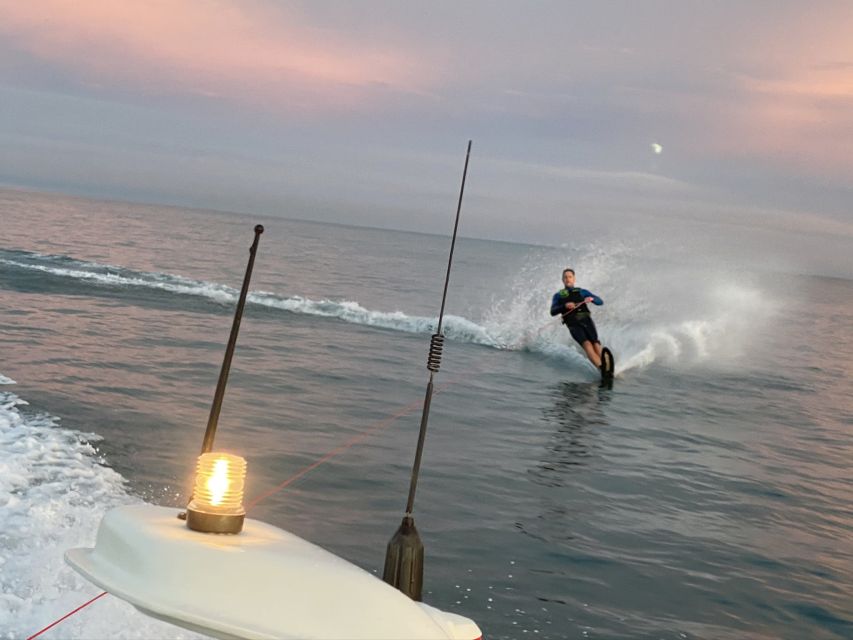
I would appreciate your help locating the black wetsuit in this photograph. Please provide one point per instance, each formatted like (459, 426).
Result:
(579, 320)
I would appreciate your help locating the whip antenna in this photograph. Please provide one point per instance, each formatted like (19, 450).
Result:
(404, 558)
(216, 407)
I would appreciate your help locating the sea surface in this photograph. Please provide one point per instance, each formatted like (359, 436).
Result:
(707, 494)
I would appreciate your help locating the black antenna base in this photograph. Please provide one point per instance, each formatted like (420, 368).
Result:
(404, 560)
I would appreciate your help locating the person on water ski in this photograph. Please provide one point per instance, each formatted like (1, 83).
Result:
(573, 304)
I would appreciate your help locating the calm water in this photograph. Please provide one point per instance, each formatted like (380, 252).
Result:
(708, 494)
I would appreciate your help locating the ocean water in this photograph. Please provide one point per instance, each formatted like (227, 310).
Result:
(707, 494)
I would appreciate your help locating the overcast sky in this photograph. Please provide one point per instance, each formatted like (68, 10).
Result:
(587, 118)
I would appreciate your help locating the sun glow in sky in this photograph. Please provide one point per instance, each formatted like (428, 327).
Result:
(359, 112)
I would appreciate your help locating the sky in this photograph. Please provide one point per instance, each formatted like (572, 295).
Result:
(728, 121)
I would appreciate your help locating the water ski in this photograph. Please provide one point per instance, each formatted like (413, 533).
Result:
(608, 365)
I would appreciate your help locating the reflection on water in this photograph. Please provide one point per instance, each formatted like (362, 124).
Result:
(577, 414)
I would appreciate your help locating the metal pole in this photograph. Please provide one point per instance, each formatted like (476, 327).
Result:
(216, 407)
(404, 557)
(435, 347)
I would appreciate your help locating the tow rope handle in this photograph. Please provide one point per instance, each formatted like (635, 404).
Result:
(576, 307)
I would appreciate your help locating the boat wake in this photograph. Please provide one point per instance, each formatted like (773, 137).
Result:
(54, 489)
(672, 316)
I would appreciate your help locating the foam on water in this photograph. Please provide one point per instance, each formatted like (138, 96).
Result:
(456, 327)
(111, 275)
(53, 491)
(657, 313)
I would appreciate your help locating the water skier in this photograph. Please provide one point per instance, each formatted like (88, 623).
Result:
(573, 304)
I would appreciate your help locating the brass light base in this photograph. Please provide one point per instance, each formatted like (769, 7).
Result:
(214, 522)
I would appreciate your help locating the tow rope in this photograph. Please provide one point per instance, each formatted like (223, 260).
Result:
(67, 615)
(382, 425)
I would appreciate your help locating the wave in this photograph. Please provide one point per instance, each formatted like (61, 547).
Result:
(455, 327)
(54, 489)
(675, 315)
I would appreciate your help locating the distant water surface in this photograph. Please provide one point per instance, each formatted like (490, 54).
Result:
(708, 494)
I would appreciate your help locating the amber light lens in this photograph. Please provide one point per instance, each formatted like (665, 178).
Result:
(219, 484)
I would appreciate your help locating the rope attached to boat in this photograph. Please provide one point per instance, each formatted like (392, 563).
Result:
(67, 615)
(380, 426)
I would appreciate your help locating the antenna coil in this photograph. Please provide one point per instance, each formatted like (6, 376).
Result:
(436, 345)
(405, 552)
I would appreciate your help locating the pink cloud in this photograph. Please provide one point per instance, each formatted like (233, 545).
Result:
(798, 108)
(803, 120)
(250, 53)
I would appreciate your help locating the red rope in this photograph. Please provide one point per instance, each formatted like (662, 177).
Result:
(387, 422)
(350, 443)
(67, 615)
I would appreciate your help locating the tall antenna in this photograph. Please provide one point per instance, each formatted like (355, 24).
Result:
(404, 558)
(216, 407)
